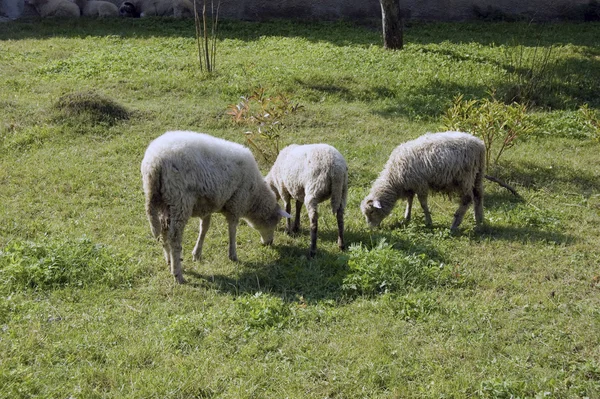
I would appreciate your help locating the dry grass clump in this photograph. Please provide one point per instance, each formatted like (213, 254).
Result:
(91, 107)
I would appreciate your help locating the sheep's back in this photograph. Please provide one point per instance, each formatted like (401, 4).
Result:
(308, 168)
(444, 162)
(100, 9)
(201, 167)
(59, 8)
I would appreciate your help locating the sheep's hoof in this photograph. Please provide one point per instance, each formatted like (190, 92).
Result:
(180, 280)
(196, 257)
(233, 258)
(312, 253)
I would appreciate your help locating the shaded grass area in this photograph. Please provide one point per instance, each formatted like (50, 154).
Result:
(88, 308)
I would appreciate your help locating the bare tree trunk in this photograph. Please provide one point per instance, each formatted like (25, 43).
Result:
(392, 24)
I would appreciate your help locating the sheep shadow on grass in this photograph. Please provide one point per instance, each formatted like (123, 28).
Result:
(292, 275)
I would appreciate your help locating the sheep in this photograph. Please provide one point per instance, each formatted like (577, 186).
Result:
(55, 8)
(97, 8)
(160, 8)
(311, 174)
(448, 162)
(187, 174)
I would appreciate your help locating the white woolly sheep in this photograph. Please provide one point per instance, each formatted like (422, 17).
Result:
(55, 8)
(448, 162)
(311, 174)
(157, 8)
(97, 8)
(189, 174)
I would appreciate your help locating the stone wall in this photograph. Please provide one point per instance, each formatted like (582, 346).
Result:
(439, 10)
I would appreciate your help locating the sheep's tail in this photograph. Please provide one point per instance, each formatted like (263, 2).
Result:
(339, 191)
(152, 177)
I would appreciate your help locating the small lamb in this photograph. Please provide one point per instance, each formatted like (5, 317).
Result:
(97, 8)
(55, 8)
(449, 162)
(311, 174)
(189, 174)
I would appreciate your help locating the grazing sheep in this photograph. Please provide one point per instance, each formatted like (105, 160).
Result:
(97, 8)
(311, 174)
(157, 8)
(55, 8)
(189, 174)
(449, 162)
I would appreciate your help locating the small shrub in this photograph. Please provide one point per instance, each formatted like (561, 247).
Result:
(90, 107)
(497, 124)
(385, 269)
(529, 75)
(265, 115)
(72, 263)
(205, 41)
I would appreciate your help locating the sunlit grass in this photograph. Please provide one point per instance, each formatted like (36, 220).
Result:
(89, 309)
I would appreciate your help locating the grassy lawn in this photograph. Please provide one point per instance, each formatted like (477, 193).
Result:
(88, 308)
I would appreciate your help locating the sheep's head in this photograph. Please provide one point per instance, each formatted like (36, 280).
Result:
(128, 9)
(373, 211)
(266, 227)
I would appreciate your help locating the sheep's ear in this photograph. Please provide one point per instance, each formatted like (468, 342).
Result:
(284, 214)
(377, 204)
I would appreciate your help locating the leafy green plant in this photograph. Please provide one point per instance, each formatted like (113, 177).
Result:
(51, 264)
(500, 126)
(262, 311)
(385, 269)
(265, 114)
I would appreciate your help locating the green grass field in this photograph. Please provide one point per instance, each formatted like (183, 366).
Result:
(88, 308)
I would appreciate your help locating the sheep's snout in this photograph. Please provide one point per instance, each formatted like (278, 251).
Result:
(266, 242)
(266, 236)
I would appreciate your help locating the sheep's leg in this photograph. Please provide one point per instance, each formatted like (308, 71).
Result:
(423, 200)
(166, 247)
(407, 212)
(175, 236)
(288, 222)
(232, 222)
(204, 225)
(478, 199)
(465, 201)
(340, 222)
(313, 215)
(296, 227)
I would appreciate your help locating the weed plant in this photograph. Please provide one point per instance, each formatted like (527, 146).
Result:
(265, 115)
(508, 310)
(500, 126)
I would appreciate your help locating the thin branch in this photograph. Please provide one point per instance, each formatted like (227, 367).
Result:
(198, 33)
(207, 52)
(503, 184)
